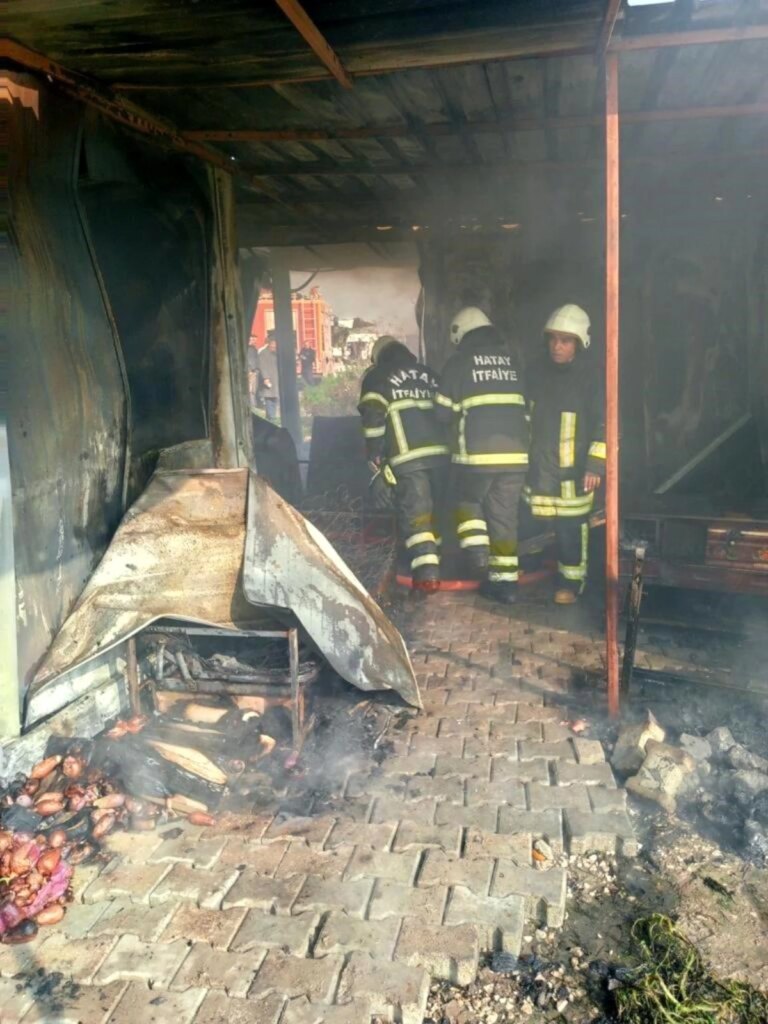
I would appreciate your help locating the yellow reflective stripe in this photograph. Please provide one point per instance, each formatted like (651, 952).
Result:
(503, 560)
(513, 459)
(374, 431)
(374, 396)
(546, 505)
(567, 439)
(598, 450)
(477, 541)
(568, 489)
(472, 524)
(397, 426)
(425, 560)
(572, 572)
(419, 453)
(462, 438)
(503, 577)
(446, 402)
(420, 538)
(479, 400)
(410, 403)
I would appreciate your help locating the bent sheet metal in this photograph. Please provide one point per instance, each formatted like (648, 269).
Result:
(179, 554)
(290, 564)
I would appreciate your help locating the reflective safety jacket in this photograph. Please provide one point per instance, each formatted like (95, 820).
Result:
(398, 411)
(482, 396)
(567, 436)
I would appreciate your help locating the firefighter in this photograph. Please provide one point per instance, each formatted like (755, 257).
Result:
(406, 443)
(567, 444)
(482, 396)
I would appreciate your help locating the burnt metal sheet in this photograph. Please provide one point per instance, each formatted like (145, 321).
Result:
(290, 564)
(178, 554)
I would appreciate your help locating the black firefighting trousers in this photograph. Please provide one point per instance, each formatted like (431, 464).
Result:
(572, 541)
(487, 520)
(418, 494)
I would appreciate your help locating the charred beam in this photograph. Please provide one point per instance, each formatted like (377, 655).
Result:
(315, 39)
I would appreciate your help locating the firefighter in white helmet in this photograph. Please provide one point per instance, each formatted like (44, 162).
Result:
(482, 397)
(406, 444)
(567, 458)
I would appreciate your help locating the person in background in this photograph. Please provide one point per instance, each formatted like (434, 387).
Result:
(253, 374)
(307, 362)
(404, 441)
(567, 461)
(483, 398)
(266, 387)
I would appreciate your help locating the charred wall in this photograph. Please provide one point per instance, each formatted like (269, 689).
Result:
(66, 395)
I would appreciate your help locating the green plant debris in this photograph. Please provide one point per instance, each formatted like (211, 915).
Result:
(671, 985)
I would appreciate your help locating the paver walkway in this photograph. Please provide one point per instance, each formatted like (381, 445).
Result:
(337, 918)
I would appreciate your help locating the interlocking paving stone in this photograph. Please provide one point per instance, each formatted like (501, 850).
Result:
(603, 799)
(447, 952)
(194, 924)
(81, 918)
(219, 1008)
(209, 968)
(562, 750)
(313, 831)
(79, 960)
(543, 891)
(422, 787)
(392, 809)
(360, 833)
(142, 1005)
(343, 934)
(440, 869)
(189, 849)
(154, 963)
(540, 824)
(413, 836)
(17, 960)
(481, 815)
(506, 769)
(132, 881)
(463, 767)
(121, 917)
(589, 751)
(293, 976)
(304, 860)
(133, 847)
(502, 730)
(274, 931)
(329, 894)
(205, 888)
(395, 990)
(606, 832)
(394, 899)
(554, 731)
(411, 764)
(269, 894)
(399, 867)
(442, 745)
(530, 712)
(240, 852)
(462, 727)
(301, 1011)
(499, 920)
(362, 784)
(541, 797)
(15, 1000)
(83, 878)
(506, 791)
(481, 844)
(79, 1004)
(567, 773)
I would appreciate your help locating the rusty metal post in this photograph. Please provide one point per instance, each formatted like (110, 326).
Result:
(290, 416)
(612, 222)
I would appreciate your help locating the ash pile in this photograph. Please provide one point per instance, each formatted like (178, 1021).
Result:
(710, 777)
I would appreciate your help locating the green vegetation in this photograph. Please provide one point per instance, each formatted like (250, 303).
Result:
(335, 395)
(672, 985)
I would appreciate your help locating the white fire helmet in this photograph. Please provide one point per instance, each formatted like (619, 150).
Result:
(570, 319)
(466, 320)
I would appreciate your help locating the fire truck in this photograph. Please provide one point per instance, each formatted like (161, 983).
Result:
(312, 325)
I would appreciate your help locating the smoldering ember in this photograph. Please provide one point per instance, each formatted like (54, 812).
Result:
(383, 512)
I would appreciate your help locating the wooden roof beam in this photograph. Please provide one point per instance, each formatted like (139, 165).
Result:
(508, 124)
(315, 39)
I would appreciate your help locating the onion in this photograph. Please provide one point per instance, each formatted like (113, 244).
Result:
(49, 861)
(48, 807)
(73, 767)
(51, 915)
(57, 839)
(200, 818)
(43, 768)
(6, 841)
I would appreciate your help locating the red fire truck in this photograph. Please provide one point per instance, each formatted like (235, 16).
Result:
(312, 324)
